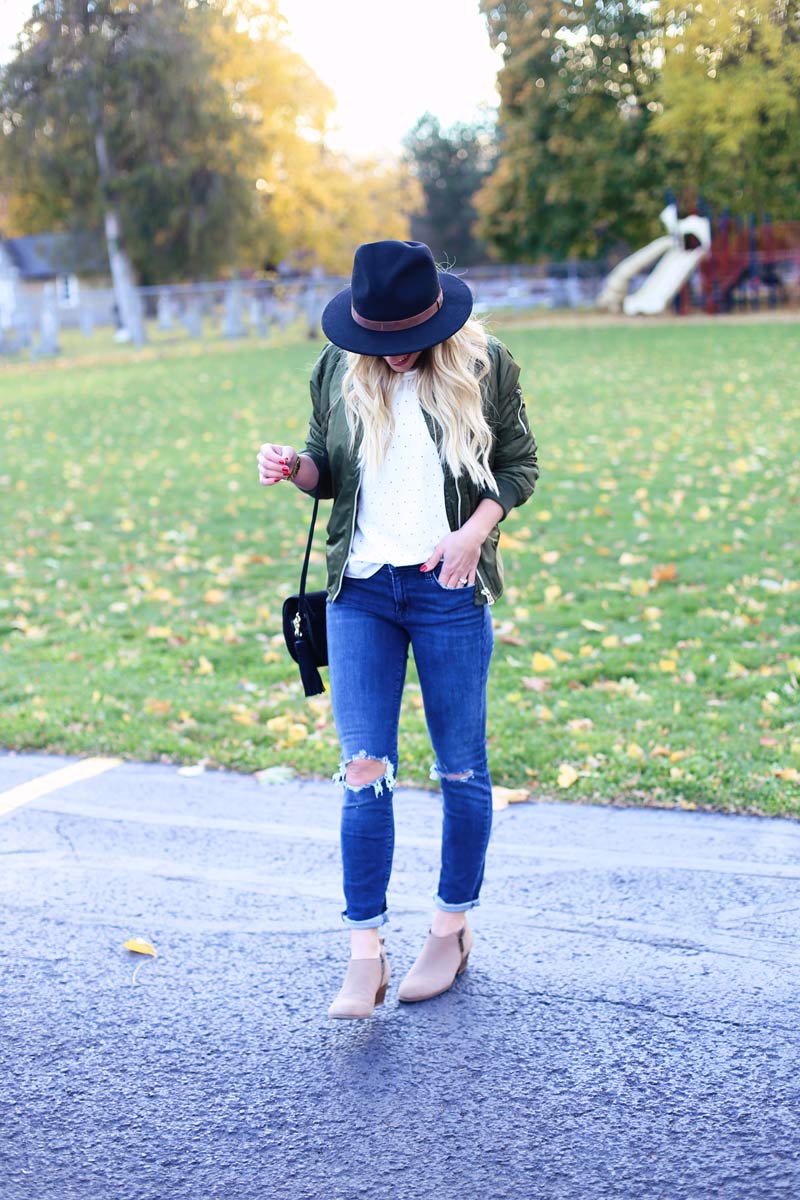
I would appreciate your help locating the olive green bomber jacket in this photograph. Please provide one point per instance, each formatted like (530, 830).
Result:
(512, 461)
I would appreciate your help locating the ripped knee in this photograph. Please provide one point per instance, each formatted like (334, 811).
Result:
(362, 771)
(436, 772)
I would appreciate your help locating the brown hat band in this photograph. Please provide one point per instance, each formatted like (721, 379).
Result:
(394, 326)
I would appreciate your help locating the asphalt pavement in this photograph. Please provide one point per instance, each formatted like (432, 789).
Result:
(627, 1028)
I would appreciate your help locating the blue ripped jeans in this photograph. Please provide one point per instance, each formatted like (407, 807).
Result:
(371, 625)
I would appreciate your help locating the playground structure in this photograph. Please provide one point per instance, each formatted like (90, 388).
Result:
(718, 266)
(673, 259)
(751, 265)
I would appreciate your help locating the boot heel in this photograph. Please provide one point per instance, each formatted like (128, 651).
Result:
(380, 995)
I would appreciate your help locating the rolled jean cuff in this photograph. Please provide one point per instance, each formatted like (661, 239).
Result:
(445, 907)
(369, 923)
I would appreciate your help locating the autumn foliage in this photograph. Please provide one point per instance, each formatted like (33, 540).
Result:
(214, 133)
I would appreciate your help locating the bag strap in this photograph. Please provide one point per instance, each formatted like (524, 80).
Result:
(311, 533)
(316, 503)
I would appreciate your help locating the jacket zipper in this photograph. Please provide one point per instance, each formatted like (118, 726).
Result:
(484, 589)
(352, 537)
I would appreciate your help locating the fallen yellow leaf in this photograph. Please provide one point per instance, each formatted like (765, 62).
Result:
(542, 662)
(245, 718)
(278, 724)
(140, 946)
(566, 775)
(296, 733)
(502, 797)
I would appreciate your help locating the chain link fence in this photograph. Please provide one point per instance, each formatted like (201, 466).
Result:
(32, 320)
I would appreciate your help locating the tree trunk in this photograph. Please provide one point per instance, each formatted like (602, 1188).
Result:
(130, 312)
(121, 271)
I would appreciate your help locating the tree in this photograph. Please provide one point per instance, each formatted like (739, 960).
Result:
(193, 131)
(450, 165)
(334, 204)
(577, 172)
(312, 206)
(111, 115)
(731, 102)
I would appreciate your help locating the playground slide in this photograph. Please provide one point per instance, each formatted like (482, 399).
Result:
(615, 287)
(664, 281)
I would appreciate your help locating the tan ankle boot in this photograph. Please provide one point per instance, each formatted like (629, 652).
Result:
(442, 959)
(364, 986)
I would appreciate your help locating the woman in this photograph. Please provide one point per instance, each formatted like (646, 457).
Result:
(419, 432)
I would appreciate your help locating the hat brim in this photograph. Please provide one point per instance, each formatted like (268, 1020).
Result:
(340, 328)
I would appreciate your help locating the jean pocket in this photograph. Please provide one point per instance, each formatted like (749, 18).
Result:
(434, 575)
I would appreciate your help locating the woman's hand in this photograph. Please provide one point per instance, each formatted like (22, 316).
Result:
(459, 553)
(275, 463)
(461, 549)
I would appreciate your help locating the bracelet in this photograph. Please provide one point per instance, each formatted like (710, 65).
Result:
(294, 470)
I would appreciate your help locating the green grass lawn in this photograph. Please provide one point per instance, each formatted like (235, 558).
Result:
(648, 644)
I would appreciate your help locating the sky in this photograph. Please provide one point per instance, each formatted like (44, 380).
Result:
(387, 63)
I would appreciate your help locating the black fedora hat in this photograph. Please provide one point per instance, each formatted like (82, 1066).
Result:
(397, 302)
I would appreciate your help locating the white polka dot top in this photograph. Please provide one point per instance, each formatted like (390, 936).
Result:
(401, 513)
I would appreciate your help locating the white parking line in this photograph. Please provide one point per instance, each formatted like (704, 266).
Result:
(53, 781)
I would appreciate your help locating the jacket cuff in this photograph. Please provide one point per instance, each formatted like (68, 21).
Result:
(506, 496)
(325, 482)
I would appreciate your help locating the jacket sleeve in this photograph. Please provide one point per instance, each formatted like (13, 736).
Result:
(315, 446)
(514, 462)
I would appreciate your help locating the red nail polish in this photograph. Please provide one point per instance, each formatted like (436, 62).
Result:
(423, 568)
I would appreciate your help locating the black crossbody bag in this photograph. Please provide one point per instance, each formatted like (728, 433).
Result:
(304, 628)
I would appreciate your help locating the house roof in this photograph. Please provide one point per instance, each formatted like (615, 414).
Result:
(44, 255)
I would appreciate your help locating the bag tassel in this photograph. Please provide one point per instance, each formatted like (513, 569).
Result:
(309, 675)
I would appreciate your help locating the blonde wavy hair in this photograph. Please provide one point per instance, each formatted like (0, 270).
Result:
(449, 379)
